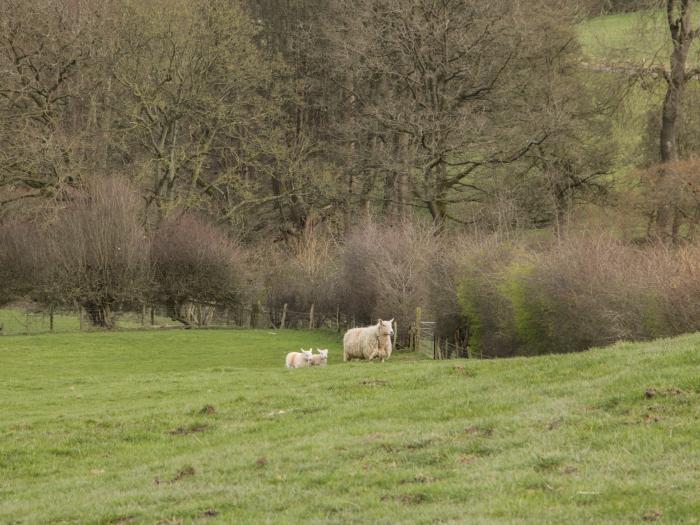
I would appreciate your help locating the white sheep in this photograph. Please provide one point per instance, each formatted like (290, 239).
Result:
(368, 342)
(298, 359)
(321, 359)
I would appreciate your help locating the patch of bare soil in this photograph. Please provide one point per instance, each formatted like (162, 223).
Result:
(181, 474)
(191, 429)
(374, 382)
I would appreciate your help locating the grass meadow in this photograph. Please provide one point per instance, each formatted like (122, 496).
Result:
(631, 39)
(208, 427)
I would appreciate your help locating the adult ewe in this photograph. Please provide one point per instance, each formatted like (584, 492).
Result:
(368, 342)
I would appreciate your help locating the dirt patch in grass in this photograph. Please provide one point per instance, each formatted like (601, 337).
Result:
(467, 459)
(374, 382)
(209, 513)
(190, 429)
(568, 470)
(122, 520)
(407, 499)
(207, 409)
(185, 472)
(420, 478)
(554, 424)
(475, 430)
(652, 515)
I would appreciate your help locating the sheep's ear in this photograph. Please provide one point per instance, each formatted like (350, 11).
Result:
(392, 320)
(380, 322)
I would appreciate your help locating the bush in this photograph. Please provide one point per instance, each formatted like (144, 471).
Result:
(17, 260)
(489, 313)
(96, 251)
(584, 291)
(194, 262)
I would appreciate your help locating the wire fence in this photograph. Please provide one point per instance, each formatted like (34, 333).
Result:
(37, 319)
(430, 343)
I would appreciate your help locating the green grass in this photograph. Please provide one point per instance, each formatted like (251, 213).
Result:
(639, 38)
(110, 428)
(14, 321)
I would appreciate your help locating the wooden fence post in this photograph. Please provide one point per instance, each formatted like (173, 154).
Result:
(143, 314)
(51, 318)
(416, 334)
(311, 317)
(153, 316)
(337, 319)
(284, 316)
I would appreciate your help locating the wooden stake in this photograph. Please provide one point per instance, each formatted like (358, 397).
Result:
(311, 317)
(417, 332)
(284, 315)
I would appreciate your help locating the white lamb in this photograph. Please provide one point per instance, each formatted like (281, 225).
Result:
(321, 359)
(368, 342)
(299, 359)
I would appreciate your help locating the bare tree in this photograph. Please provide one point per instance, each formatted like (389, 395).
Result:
(450, 93)
(96, 250)
(683, 34)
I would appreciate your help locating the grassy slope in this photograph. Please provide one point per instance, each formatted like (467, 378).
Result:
(631, 39)
(90, 422)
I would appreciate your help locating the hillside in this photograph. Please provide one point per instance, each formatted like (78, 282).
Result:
(207, 427)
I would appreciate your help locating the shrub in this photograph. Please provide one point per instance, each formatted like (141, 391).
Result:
(488, 311)
(194, 262)
(581, 292)
(17, 260)
(96, 252)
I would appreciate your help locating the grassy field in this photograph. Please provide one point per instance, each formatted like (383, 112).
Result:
(631, 39)
(207, 427)
(17, 320)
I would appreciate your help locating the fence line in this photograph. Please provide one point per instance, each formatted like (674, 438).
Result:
(418, 336)
(34, 319)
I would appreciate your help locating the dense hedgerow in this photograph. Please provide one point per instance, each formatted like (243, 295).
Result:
(581, 292)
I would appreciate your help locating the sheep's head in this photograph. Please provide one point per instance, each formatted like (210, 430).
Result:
(323, 352)
(307, 354)
(386, 327)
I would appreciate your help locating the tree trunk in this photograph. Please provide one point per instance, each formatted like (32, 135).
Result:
(682, 37)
